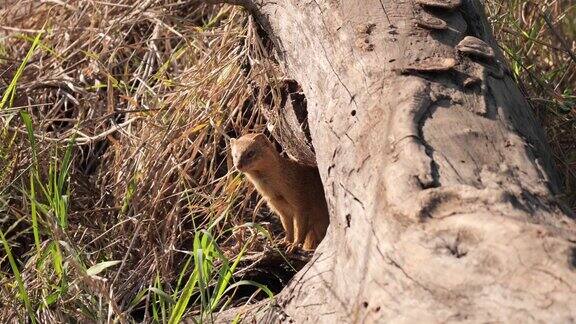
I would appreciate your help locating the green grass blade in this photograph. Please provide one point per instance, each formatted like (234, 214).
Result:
(62, 190)
(251, 283)
(99, 267)
(182, 302)
(33, 175)
(183, 273)
(161, 294)
(21, 288)
(201, 263)
(225, 276)
(10, 92)
(34, 214)
(66, 163)
(57, 259)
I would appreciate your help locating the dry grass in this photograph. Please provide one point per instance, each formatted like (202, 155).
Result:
(148, 92)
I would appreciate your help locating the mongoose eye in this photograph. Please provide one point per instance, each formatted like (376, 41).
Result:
(250, 154)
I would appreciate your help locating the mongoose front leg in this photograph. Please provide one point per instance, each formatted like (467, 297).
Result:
(300, 229)
(311, 242)
(288, 225)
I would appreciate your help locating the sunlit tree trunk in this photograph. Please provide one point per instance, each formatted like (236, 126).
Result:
(438, 179)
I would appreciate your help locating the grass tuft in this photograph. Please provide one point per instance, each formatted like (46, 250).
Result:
(114, 181)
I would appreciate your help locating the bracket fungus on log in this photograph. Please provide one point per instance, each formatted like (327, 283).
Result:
(474, 46)
(433, 64)
(425, 20)
(443, 4)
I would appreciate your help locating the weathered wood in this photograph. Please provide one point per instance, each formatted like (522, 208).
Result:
(288, 123)
(439, 181)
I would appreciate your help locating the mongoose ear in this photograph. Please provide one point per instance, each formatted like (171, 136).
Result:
(260, 136)
(232, 140)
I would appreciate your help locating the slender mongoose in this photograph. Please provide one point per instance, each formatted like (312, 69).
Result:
(292, 190)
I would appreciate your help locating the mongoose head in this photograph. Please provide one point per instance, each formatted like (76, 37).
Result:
(251, 152)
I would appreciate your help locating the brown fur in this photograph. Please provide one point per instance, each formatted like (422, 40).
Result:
(292, 190)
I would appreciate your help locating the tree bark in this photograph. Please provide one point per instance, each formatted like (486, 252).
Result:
(439, 181)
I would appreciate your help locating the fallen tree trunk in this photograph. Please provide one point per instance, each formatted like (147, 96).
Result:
(438, 179)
